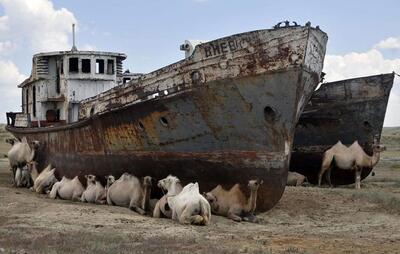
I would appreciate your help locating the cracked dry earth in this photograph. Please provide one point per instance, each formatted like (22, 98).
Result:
(306, 220)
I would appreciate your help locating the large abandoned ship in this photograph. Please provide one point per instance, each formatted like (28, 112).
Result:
(224, 115)
(345, 110)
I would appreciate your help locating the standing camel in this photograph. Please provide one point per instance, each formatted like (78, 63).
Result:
(349, 158)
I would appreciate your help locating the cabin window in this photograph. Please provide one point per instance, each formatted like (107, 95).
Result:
(73, 64)
(125, 80)
(34, 101)
(99, 66)
(110, 66)
(86, 65)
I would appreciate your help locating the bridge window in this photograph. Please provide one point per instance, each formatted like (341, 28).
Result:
(73, 64)
(86, 65)
(99, 66)
(110, 66)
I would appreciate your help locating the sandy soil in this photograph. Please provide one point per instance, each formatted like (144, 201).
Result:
(306, 220)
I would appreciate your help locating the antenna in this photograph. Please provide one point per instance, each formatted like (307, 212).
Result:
(73, 39)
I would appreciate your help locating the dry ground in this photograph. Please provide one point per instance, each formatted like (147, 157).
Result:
(306, 220)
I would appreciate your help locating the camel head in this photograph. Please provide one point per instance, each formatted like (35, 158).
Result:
(255, 184)
(379, 148)
(147, 181)
(166, 183)
(110, 180)
(212, 199)
(90, 178)
(35, 144)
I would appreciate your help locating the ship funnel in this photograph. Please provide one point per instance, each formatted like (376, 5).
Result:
(73, 39)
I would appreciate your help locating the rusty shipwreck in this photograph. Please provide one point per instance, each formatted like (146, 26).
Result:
(345, 110)
(225, 114)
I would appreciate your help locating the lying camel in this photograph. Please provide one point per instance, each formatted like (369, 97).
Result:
(295, 179)
(23, 177)
(348, 158)
(20, 154)
(70, 189)
(233, 203)
(128, 191)
(189, 206)
(173, 186)
(95, 192)
(44, 181)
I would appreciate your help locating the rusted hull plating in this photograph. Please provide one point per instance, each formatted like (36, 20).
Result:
(346, 110)
(215, 131)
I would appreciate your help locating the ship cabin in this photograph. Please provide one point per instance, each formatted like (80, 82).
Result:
(59, 81)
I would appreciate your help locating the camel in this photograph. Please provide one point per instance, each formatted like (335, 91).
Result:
(295, 179)
(348, 158)
(173, 186)
(189, 206)
(43, 182)
(233, 203)
(129, 192)
(23, 177)
(70, 189)
(95, 192)
(20, 154)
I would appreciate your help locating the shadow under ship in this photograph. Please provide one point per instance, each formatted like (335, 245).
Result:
(346, 110)
(224, 115)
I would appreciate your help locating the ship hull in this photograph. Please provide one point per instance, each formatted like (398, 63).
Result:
(346, 110)
(226, 115)
(231, 146)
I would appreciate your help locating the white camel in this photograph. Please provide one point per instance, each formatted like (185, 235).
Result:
(95, 192)
(348, 158)
(233, 203)
(20, 154)
(43, 182)
(190, 207)
(129, 192)
(70, 189)
(173, 186)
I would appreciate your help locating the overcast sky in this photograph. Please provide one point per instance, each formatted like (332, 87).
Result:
(364, 36)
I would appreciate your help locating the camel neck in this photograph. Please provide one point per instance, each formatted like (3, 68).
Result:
(375, 159)
(146, 197)
(251, 203)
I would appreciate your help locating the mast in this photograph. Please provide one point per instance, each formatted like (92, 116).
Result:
(73, 39)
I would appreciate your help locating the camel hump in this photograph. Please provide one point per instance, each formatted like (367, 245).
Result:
(24, 140)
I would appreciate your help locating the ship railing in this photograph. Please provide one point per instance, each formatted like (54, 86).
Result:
(18, 119)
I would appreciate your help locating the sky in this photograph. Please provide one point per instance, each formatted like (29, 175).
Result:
(364, 36)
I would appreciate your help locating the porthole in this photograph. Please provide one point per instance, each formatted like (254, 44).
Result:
(269, 114)
(164, 121)
(140, 126)
(92, 111)
(367, 124)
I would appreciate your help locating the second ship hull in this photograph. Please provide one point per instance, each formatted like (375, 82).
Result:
(346, 110)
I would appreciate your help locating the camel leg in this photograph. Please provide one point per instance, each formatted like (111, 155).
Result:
(328, 176)
(136, 208)
(157, 211)
(54, 190)
(76, 197)
(358, 177)
(186, 216)
(233, 216)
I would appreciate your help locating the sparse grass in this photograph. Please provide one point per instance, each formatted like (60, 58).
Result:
(384, 199)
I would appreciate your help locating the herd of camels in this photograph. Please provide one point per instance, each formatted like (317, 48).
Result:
(184, 204)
